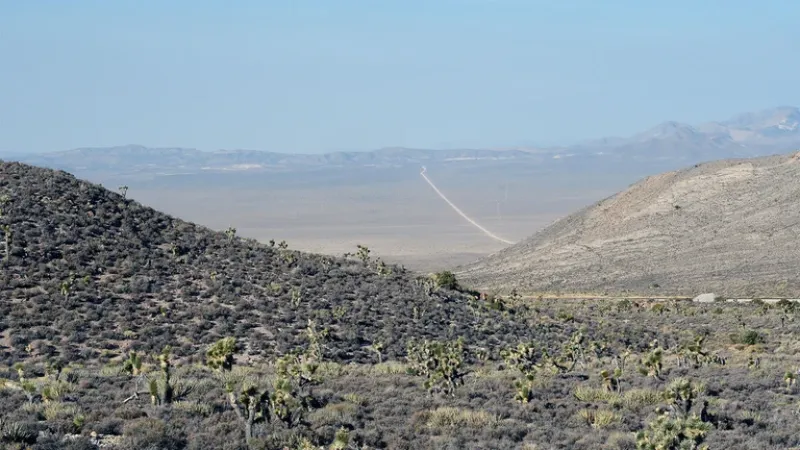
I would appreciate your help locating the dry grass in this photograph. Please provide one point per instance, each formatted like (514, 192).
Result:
(599, 418)
(447, 417)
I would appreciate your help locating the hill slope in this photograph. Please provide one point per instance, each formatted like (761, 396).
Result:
(89, 274)
(730, 227)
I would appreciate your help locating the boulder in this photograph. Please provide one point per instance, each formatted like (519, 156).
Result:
(705, 298)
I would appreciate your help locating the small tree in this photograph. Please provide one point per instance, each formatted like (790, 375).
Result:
(446, 280)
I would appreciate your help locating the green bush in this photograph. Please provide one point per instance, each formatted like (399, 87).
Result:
(749, 337)
(446, 280)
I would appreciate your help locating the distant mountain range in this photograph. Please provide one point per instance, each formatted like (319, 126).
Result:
(761, 133)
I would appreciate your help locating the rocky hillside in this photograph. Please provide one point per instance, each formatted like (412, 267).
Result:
(728, 227)
(89, 274)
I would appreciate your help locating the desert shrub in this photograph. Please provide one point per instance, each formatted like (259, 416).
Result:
(448, 416)
(445, 280)
(151, 434)
(748, 337)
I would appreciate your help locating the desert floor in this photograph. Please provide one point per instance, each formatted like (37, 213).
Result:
(395, 212)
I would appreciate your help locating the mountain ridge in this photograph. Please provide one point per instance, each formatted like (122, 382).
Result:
(760, 133)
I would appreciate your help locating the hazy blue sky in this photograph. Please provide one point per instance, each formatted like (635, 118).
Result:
(311, 76)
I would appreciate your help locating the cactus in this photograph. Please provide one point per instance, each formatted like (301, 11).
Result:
(694, 353)
(611, 380)
(166, 367)
(297, 297)
(284, 404)
(381, 268)
(341, 439)
(231, 233)
(363, 254)
(299, 368)
(439, 362)
(163, 391)
(651, 364)
(66, 286)
(790, 378)
(250, 405)
(681, 394)
(220, 355)
(525, 359)
(571, 354)
(377, 347)
(7, 234)
(598, 348)
(669, 433)
(315, 340)
(133, 365)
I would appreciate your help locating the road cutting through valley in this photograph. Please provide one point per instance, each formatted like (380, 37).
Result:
(461, 213)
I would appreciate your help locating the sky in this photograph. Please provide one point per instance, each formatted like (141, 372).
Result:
(330, 75)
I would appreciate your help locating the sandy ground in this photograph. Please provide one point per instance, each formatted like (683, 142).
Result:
(400, 219)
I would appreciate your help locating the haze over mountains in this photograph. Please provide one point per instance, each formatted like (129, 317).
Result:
(672, 144)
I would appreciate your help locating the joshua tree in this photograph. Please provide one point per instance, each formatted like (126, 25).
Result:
(297, 297)
(250, 405)
(231, 233)
(525, 359)
(66, 286)
(4, 199)
(651, 364)
(341, 439)
(7, 239)
(133, 365)
(163, 391)
(681, 394)
(363, 254)
(315, 340)
(571, 354)
(381, 268)
(694, 353)
(670, 433)
(377, 347)
(123, 190)
(440, 362)
(220, 355)
(790, 378)
(611, 379)
(677, 428)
